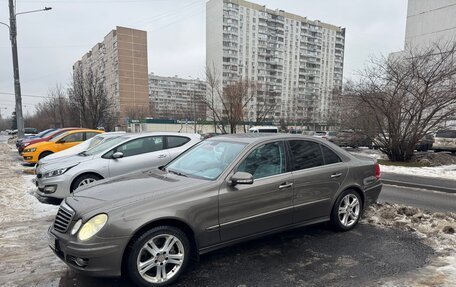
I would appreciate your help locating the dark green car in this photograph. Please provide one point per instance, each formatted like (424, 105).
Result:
(227, 189)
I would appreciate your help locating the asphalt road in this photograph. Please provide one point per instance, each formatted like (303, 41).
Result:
(313, 256)
(426, 199)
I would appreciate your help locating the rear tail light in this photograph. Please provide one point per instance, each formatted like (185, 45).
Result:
(377, 171)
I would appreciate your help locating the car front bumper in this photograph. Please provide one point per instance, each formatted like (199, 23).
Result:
(101, 259)
(30, 157)
(59, 184)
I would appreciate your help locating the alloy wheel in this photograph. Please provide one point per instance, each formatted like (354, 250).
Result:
(160, 258)
(86, 181)
(349, 209)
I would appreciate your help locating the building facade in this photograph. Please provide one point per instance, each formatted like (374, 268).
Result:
(176, 98)
(121, 63)
(430, 21)
(295, 63)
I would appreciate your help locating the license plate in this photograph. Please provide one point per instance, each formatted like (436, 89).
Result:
(52, 240)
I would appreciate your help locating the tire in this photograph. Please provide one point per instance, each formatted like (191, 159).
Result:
(44, 154)
(83, 180)
(141, 251)
(351, 215)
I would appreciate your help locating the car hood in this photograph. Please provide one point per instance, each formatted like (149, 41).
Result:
(61, 162)
(118, 192)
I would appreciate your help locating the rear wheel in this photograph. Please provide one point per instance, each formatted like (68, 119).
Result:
(44, 154)
(158, 257)
(84, 180)
(347, 210)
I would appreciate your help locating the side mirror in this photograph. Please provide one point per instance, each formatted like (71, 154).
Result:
(117, 155)
(61, 141)
(241, 177)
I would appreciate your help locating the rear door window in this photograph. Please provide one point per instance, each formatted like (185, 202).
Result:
(329, 156)
(305, 154)
(174, 141)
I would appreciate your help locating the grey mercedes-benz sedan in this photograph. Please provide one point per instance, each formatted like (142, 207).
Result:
(150, 224)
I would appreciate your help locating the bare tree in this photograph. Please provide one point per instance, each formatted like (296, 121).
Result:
(228, 104)
(408, 96)
(89, 98)
(137, 112)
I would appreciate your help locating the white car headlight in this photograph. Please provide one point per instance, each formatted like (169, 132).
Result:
(91, 227)
(30, 149)
(58, 172)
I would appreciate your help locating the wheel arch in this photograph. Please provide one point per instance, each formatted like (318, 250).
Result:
(354, 187)
(85, 173)
(167, 221)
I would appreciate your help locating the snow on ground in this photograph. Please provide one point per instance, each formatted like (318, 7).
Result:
(444, 171)
(437, 230)
(23, 228)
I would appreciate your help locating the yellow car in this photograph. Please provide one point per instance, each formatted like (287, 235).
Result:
(34, 152)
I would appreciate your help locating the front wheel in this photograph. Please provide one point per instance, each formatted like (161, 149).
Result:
(158, 257)
(84, 180)
(347, 210)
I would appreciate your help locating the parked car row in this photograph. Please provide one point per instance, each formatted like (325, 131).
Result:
(442, 140)
(144, 205)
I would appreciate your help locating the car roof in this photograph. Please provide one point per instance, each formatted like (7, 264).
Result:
(138, 135)
(258, 137)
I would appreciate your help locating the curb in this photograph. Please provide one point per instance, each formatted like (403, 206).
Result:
(422, 186)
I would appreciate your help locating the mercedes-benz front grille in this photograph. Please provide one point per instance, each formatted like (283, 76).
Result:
(63, 219)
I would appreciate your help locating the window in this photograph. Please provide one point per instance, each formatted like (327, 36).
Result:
(76, 137)
(177, 141)
(140, 146)
(306, 154)
(330, 156)
(266, 160)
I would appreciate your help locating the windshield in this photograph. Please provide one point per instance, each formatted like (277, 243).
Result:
(44, 133)
(104, 145)
(206, 160)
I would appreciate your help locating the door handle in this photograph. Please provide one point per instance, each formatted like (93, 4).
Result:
(162, 156)
(336, 175)
(285, 185)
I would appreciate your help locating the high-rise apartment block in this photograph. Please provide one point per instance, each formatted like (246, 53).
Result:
(121, 62)
(429, 22)
(296, 63)
(177, 98)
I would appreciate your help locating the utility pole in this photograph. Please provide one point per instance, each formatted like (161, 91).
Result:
(17, 84)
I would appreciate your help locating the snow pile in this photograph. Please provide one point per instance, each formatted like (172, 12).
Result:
(26, 257)
(437, 229)
(444, 171)
(370, 152)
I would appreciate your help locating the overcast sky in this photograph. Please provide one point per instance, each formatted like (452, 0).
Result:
(50, 42)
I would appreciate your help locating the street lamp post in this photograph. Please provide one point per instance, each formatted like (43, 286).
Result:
(17, 84)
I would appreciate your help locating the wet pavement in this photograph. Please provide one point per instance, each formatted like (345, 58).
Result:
(312, 256)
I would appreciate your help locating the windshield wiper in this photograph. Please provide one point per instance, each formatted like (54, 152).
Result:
(176, 172)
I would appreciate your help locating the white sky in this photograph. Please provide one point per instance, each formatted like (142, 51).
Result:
(50, 42)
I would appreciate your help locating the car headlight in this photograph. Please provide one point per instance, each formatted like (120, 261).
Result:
(30, 149)
(58, 172)
(91, 227)
(76, 227)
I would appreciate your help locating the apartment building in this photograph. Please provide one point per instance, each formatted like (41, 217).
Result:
(121, 62)
(296, 63)
(176, 98)
(430, 21)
